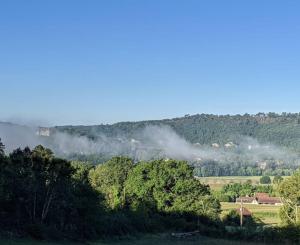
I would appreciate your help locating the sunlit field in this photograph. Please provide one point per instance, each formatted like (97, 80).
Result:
(216, 183)
(268, 214)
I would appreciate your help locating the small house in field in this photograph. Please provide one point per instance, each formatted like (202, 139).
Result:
(245, 212)
(264, 198)
(249, 200)
(260, 198)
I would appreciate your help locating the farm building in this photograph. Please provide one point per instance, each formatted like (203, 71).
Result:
(260, 198)
(251, 200)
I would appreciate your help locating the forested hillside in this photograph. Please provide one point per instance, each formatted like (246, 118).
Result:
(231, 144)
(279, 129)
(261, 144)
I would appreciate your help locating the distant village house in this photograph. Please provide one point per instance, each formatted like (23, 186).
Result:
(260, 198)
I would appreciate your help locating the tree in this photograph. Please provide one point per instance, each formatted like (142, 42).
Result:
(233, 219)
(168, 186)
(289, 192)
(109, 178)
(277, 179)
(86, 210)
(39, 190)
(265, 180)
(2, 147)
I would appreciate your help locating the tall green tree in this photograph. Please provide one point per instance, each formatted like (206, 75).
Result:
(2, 147)
(36, 188)
(289, 190)
(168, 186)
(109, 178)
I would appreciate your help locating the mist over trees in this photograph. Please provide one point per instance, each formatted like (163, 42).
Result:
(206, 129)
(261, 144)
(221, 145)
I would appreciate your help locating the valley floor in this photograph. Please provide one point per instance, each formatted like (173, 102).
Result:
(267, 214)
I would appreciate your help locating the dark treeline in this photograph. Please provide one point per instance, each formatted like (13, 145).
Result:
(213, 168)
(48, 197)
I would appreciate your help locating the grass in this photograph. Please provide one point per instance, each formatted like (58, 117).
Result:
(165, 239)
(216, 183)
(268, 214)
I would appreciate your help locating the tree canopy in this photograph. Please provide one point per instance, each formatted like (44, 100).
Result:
(265, 180)
(289, 190)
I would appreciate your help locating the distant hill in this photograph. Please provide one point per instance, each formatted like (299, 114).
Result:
(216, 145)
(205, 129)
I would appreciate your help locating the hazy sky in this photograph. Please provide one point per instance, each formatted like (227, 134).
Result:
(92, 62)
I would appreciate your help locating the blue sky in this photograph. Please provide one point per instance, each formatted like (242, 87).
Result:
(92, 62)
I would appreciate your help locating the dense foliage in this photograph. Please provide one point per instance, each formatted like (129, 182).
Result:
(206, 130)
(40, 191)
(238, 168)
(45, 196)
(277, 179)
(289, 191)
(265, 180)
(233, 219)
(168, 186)
(230, 192)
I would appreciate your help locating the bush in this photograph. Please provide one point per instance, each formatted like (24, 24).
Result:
(265, 180)
(233, 219)
(277, 179)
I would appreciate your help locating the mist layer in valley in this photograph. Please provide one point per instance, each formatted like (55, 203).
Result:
(151, 142)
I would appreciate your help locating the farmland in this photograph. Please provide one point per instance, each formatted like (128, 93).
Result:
(216, 183)
(268, 214)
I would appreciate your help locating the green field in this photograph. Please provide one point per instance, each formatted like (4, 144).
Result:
(216, 183)
(164, 239)
(268, 214)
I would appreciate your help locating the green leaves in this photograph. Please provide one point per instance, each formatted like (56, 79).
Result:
(265, 180)
(2, 147)
(289, 190)
(109, 178)
(169, 186)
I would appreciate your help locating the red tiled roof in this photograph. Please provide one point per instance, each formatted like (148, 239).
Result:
(269, 200)
(261, 195)
(262, 198)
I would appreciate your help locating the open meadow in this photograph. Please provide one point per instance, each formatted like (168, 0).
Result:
(216, 183)
(268, 214)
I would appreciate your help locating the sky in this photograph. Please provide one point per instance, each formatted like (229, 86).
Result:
(105, 61)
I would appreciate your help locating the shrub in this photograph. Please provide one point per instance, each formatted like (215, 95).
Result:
(277, 179)
(265, 180)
